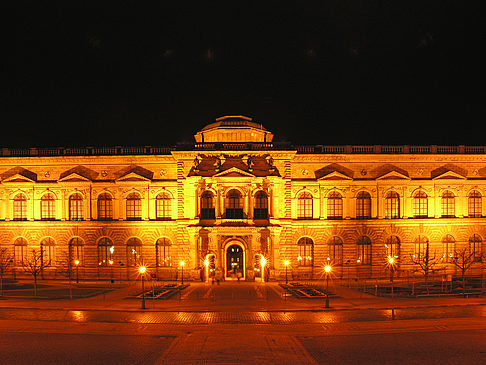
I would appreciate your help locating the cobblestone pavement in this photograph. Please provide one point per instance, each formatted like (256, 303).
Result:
(254, 317)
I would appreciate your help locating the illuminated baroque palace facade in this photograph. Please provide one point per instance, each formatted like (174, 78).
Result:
(235, 196)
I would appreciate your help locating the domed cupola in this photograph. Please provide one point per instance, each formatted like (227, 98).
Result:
(233, 128)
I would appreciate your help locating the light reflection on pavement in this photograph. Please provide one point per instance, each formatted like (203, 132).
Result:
(256, 317)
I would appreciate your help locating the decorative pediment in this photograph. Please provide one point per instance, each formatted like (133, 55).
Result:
(393, 175)
(78, 174)
(449, 175)
(334, 172)
(335, 175)
(449, 171)
(234, 172)
(132, 176)
(19, 175)
(134, 173)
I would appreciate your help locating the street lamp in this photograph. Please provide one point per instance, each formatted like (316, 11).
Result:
(263, 261)
(327, 270)
(206, 263)
(391, 264)
(142, 270)
(181, 264)
(76, 262)
(286, 263)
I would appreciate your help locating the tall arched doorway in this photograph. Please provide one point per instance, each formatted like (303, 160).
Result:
(234, 261)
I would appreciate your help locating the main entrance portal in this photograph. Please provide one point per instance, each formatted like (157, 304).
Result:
(235, 265)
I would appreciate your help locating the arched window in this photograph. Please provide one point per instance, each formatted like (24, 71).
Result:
(162, 252)
(76, 207)
(363, 205)
(364, 250)
(207, 205)
(20, 251)
(48, 247)
(334, 206)
(421, 247)
(20, 207)
(76, 250)
(163, 207)
(304, 206)
(393, 247)
(335, 250)
(420, 205)
(475, 243)
(392, 205)
(134, 207)
(448, 206)
(134, 251)
(474, 204)
(48, 207)
(105, 251)
(105, 207)
(306, 251)
(448, 247)
(234, 205)
(260, 211)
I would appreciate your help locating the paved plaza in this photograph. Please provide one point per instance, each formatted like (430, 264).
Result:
(242, 323)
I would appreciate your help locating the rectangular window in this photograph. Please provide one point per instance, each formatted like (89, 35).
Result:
(48, 211)
(49, 255)
(364, 254)
(20, 255)
(306, 255)
(104, 256)
(392, 210)
(134, 210)
(336, 254)
(163, 258)
(20, 210)
(76, 210)
(163, 209)
(304, 208)
(334, 208)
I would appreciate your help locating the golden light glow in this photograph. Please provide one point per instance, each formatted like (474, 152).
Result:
(206, 262)
(263, 261)
(182, 263)
(391, 260)
(327, 269)
(76, 262)
(286, 262)
(142, 269)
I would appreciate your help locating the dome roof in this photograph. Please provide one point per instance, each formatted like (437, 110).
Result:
(233, 121)
(233, 128)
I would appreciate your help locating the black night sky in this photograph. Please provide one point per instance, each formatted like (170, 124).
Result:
(315, 72)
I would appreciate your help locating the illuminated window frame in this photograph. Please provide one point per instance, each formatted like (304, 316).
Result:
(392, 205)
(76, 207)
(335, 206)
(20, 207)
(306, 252)
(474, 205)
(363, 205)
(305, 206)
(105, 207)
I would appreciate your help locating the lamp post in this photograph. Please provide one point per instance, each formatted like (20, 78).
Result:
(286, 263)
(142, 270)
(327, 270)
(263, 261)
(76, 262)
(110, 261)
(181, 264)
(206, 264)
(391, 263)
